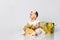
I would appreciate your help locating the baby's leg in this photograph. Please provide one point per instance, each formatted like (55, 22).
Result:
(33, 35)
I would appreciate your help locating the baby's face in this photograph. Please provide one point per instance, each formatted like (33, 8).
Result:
(32, 15)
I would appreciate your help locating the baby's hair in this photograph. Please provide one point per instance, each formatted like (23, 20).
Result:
(36, 13)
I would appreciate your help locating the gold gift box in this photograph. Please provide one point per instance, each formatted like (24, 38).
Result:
(48, 27)
(28, 29)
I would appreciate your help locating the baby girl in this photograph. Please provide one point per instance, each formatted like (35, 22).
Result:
(36, 24)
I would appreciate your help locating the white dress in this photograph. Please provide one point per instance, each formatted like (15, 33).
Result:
(39, 31)
(41, 34)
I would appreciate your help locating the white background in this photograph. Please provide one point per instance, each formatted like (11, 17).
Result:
(15, 13)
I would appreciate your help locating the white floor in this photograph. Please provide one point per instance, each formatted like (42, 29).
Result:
(55, 36)
(15, 34)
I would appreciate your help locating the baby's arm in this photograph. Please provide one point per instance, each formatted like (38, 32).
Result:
(37, 25)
